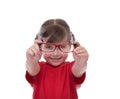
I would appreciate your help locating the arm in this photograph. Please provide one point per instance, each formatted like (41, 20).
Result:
(33, 55)
(80, 55)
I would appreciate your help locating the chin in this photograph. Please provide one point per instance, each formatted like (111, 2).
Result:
(55, 64)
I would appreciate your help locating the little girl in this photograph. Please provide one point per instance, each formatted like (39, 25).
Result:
(55, 78)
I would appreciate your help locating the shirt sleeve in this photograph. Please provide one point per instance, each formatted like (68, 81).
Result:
(77, 80)
(81, 79)
(31, 79)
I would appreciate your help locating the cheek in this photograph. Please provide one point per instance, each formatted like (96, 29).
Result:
(65, 55)
(46, 55)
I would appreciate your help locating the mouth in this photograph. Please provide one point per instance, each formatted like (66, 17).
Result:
(56, 58)
(55, 61)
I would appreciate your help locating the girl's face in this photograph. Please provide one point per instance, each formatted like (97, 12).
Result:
(56, 57)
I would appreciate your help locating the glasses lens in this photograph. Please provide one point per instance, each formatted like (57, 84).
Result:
(47, 47)
(66, 48)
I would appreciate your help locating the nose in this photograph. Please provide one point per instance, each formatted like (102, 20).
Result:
(56, 51)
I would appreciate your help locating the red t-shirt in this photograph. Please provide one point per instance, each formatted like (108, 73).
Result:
(55, 82)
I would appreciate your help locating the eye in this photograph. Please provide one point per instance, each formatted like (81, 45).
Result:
(48, 46)
(63, 46)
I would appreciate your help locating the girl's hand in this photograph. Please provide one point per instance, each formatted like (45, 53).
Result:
(33, 53)
(80, 56)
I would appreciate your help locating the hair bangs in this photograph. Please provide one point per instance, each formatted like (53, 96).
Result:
(54, 33)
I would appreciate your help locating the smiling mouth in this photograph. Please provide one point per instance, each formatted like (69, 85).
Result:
(55, 58)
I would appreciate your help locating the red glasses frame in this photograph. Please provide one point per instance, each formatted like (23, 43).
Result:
(56, 46)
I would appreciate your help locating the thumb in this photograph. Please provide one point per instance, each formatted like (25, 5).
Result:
(38, 41)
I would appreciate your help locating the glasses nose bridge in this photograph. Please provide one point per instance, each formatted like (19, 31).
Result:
(57, 47)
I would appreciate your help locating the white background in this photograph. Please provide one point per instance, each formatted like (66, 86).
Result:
(96, 25)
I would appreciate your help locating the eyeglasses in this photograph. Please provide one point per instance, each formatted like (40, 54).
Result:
(50, 47)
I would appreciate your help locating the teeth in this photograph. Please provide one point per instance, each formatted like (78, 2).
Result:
(55, 58)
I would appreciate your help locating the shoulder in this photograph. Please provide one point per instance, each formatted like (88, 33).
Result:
(69, 64)
(42, 63)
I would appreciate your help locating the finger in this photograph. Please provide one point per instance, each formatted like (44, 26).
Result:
(83, 54)
(79, 50)
(38, 41)
(35, 49)
(80, 53)
(29, 53)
